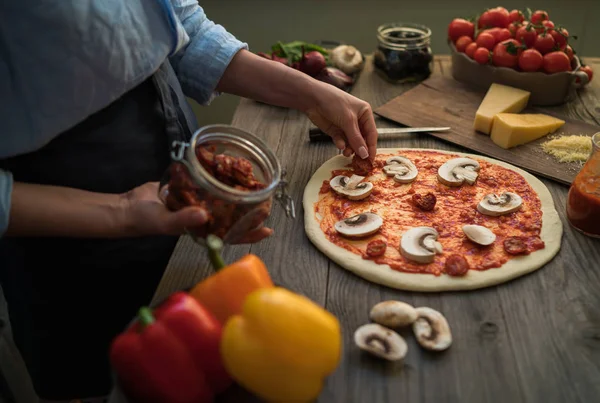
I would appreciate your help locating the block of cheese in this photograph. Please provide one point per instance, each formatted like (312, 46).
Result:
(513, 129)
(499, 99)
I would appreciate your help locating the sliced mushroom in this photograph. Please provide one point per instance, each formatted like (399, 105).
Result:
(360, 225)
(381, 342)
(494, 205)
(347, 58)
(351, 187)
(420, 244)
(458, 171)
(401, 168)
(479, 234)
(393, 314)
(432, 330)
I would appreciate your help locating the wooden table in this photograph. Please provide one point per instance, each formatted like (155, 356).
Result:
(534, 339)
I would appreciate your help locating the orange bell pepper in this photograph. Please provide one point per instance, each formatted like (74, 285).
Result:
(224, 292)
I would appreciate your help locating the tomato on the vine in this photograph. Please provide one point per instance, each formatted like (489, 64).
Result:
(569, 52)
(544, 43)
(495, 17)
(486, 40)
(513, 27)
(549, 25)
(462, 43)
(470, 50)
(539, 16)
(482, 56)
(527, 35)
(531, 60)
(561, 37)
(506, 53)
(460, 27)
(556, 62)
(587, 70)
(516, 16)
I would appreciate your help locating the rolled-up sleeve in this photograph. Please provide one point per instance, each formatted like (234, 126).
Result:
(6, 183)
(201, 63)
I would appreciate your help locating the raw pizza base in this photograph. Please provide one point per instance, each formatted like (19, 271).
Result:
(551, 234)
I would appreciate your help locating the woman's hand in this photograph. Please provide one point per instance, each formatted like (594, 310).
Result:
(147, 215)
(347, 119)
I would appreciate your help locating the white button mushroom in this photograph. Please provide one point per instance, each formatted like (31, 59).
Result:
(353, 188)
(494, 205)
(401, 168)
(381, 342)
(458, 171)
(393, 314)
(347, 58)
(432, 330)
(360, 225)
(479, 234)
(420, 244)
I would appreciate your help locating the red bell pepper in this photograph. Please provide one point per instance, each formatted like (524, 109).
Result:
(171, 354)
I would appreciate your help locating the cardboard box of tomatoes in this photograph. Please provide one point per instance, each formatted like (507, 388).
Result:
(521, 49)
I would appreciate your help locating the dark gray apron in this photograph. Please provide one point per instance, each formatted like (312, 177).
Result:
(68, 298)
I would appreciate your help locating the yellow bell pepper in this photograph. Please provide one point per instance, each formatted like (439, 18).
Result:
(282, 346)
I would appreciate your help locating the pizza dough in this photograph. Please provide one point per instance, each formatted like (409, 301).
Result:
(551, 234)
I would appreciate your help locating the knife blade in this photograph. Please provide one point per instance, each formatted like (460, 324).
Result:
(316, 134)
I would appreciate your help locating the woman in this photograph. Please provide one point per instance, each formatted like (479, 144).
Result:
(92, 96)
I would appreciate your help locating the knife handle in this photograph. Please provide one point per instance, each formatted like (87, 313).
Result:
(316, 134)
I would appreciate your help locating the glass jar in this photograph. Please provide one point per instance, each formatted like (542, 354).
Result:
(583, 200)
(230, 173)
(404, 52)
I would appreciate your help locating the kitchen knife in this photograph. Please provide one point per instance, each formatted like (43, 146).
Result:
(316, 134)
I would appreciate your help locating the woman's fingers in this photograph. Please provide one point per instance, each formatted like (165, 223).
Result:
(175, 223)
(355, 138)
(369, 130)
(255, 235)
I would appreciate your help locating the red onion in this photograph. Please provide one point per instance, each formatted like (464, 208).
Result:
(335, 77)
(311, 63)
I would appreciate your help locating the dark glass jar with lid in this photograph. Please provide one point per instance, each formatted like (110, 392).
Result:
(404, 52)
(230, 173)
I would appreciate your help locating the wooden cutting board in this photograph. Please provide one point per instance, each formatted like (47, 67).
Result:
(441, 101)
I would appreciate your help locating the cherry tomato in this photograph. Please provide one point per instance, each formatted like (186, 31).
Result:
(495, 17)
(526, 34)
(460, 27)
(505, 55)
(486, 40)
(544, 43)
(531, 60)
(569, 52)
(588, 70)
(549, 25)
(556, 62)
(462, 43)
(513, 27)
(470, 50)
(516, 16)
(561, 37)
(482, 56)
(538, 17)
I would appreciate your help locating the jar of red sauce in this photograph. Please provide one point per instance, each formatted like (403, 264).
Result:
(583, 201)
(230, 173)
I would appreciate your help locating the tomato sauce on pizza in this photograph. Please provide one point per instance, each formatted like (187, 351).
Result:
(428, 202)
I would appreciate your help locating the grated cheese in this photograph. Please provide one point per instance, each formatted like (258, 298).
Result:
(576, 148)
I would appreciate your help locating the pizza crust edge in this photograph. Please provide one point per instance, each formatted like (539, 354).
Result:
(551, 234)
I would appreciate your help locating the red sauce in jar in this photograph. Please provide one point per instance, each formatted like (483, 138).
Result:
(583, 201)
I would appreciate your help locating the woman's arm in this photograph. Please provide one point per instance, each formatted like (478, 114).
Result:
(344, 117)
(41, 210)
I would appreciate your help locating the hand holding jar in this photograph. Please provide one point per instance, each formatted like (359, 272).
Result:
(230, 175)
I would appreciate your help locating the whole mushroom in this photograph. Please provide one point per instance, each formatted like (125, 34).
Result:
(347, 58)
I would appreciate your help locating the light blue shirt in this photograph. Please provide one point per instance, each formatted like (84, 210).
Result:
(63, 60)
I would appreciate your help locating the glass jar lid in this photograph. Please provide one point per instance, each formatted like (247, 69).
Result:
(401, 36)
